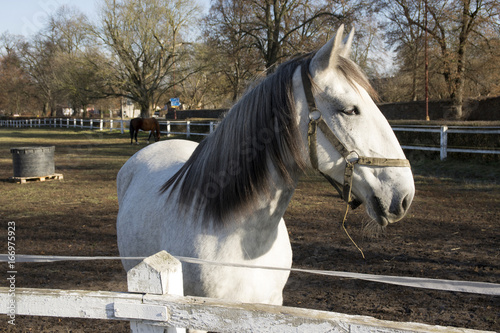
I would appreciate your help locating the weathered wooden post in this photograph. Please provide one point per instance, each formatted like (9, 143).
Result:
(158, 274)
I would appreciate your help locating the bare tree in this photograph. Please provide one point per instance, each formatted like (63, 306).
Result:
(454, 27)
(16, 90)
(46, 58)
(146, 39)
(37, 59)
(275, 28)
(250, 37)
(280, 28)
(233, 61)
(78, 72)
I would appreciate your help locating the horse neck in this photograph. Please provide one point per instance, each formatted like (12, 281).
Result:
(258, 231)
(246, 163)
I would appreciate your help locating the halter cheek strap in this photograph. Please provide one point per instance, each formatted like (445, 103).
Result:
(351, 158)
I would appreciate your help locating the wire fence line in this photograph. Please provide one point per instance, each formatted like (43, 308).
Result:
(204, 128)
(473, 287)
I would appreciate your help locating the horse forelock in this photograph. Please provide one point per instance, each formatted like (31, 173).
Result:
(353, 74)
(231, 168)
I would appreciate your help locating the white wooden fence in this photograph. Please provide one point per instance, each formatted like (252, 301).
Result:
(155, 303)
(110, 124)
(443, 131)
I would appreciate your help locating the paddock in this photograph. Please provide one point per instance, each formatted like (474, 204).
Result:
(451, 232)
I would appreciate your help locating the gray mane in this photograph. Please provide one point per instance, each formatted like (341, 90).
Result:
(229, 169)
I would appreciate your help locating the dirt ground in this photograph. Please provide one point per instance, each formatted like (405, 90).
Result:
(451, 232)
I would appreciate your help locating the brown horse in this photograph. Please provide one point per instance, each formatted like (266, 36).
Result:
(145, 124)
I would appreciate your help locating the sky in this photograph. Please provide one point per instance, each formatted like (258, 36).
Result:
(26, 17)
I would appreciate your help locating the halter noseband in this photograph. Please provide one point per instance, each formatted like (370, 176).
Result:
(351, 157)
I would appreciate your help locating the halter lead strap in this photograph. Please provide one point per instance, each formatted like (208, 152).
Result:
(351, 157)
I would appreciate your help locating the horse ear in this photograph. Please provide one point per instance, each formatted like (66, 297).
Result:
(346, 48)
(326, 57)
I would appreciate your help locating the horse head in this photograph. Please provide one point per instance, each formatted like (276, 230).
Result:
(351, 135)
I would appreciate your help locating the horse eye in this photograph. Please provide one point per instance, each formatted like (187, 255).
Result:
(351, 111)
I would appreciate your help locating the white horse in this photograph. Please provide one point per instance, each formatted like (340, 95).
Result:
(223, 199)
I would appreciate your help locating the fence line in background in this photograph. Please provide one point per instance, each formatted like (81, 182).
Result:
(443, 131)
(107, 124)
(121, 125)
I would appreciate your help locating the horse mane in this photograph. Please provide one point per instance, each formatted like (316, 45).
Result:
(229, 169)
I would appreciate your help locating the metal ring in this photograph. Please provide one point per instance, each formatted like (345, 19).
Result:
(352, 157)
(314, 115)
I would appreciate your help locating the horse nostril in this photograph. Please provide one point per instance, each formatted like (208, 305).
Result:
(405, 204)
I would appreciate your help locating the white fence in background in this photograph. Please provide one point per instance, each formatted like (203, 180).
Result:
(108, 125)
(166, 129)
(443, 131)
(155, 303)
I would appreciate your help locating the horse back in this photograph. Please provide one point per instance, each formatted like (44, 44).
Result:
(157, 161)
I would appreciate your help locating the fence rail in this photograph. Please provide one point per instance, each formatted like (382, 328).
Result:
(109, 124)
(155, 302)
(167, 126)
(443, 131)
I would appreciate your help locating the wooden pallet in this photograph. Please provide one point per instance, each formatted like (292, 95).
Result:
(23, 180)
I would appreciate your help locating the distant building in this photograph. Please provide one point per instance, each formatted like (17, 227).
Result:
(129, 110)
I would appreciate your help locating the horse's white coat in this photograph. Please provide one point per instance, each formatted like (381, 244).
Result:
(148, 222)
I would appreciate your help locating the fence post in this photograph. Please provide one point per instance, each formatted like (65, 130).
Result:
(168, 128)
(111, 124)
(121, 126)
(443, 142)
(101, 124)
(188, 129)
(158, 274)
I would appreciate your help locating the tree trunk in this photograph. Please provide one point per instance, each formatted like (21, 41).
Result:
(145, 110)
(45, 109)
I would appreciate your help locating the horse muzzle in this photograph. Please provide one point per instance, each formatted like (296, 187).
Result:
(386, 209)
